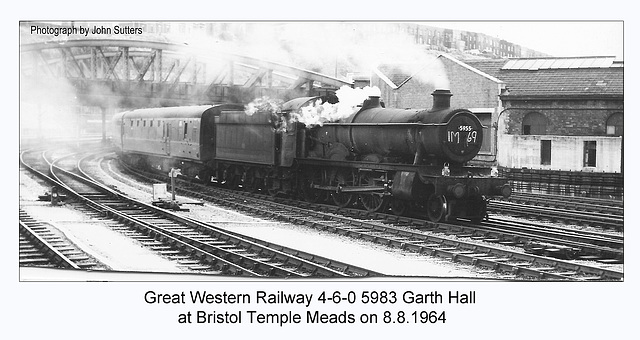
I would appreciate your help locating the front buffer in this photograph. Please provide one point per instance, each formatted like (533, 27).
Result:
(449, 197)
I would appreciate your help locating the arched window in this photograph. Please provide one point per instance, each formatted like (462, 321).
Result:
(534, 123)
(615, 124)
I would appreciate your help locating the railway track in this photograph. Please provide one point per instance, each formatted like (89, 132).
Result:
(557, 241)
(206, 248)
(608, 206)
(533, 237)
(43, 246)
(402, 233)
(602, 220)
(606, 214)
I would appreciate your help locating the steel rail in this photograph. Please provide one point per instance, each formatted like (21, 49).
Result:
(47, 248)
(614, 208)
(596, 238)
(602, 220)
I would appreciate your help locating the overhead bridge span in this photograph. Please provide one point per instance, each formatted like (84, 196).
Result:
(150, 73)
(102, 76)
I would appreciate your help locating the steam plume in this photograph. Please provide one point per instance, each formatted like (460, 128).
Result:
(316, 113)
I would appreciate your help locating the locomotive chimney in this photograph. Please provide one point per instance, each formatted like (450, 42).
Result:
(441, 99)
(371, 102)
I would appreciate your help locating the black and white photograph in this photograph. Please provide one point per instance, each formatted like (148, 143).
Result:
(321, 177)
(265, 149)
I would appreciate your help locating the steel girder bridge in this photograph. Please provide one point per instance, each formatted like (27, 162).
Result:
(137, 73)
(115, 75)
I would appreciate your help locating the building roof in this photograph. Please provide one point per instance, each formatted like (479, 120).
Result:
(397, 75)
(556, 77)
(394, 76)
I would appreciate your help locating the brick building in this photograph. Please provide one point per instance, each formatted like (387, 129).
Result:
(560, 113)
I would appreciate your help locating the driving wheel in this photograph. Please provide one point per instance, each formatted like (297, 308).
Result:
(343, 179)
(373, 202)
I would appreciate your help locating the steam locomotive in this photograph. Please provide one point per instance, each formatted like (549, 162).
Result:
(380, 158)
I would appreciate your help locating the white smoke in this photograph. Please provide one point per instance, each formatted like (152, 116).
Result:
(48, 110)
(263, 104)
(349, 99)
(316, 113)
(331, 48)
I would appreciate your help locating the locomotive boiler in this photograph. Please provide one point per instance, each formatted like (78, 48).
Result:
(420, 136)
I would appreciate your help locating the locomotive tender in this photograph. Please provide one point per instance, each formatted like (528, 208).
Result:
(403, 160)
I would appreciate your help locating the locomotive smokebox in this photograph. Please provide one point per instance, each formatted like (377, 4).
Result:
(441, 100)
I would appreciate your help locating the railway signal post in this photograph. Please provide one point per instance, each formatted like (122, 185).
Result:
(173, 174)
